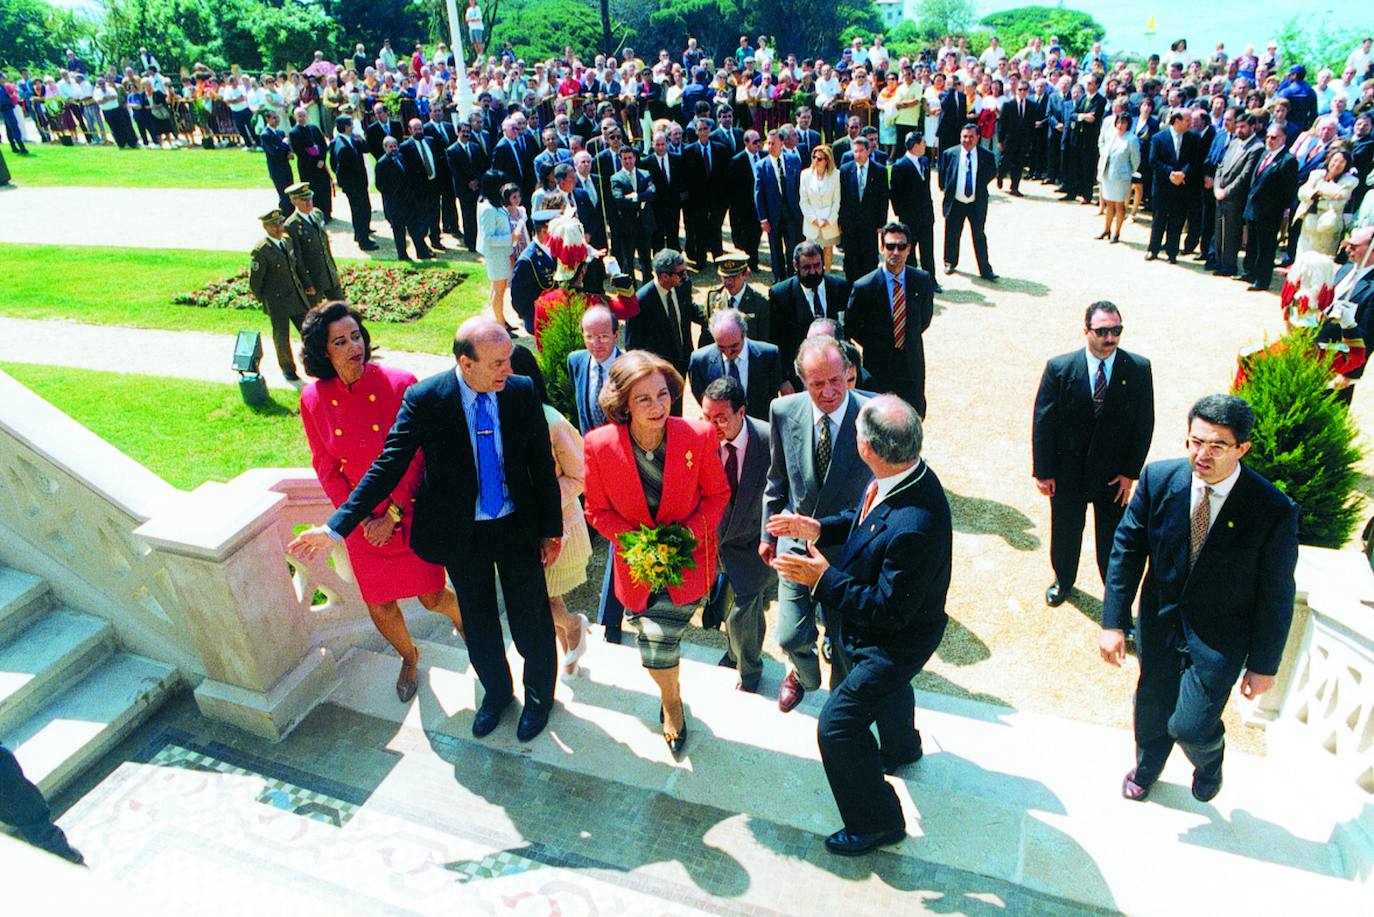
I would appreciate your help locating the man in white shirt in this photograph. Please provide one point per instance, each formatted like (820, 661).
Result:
(1361, 59)
(993, 54)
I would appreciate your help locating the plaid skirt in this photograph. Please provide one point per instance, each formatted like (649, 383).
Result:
(658, 631)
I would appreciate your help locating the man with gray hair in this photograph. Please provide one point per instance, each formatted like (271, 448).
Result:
(885, 597)
(815, 471)
(666, 314)
(755, 365)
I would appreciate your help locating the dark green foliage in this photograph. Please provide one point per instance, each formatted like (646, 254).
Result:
(1318, 42)
(540, 29)
(1076, 30)
(1304, 442)
(28, 34)
(792, 26)
(560, 336)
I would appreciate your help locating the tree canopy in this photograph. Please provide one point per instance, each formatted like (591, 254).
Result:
(1076, 30)
(539, 29)
(792, 26)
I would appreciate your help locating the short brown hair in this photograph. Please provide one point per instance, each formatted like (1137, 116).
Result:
(628, 369)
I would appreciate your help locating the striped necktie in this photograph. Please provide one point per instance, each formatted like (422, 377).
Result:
(1100, 388)
(898, 314)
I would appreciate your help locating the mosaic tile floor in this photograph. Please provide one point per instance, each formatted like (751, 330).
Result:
(351, 815)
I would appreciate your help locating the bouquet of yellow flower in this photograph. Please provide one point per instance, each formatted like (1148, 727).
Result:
(658, 556)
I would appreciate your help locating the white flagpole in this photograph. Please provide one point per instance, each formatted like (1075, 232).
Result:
(465, 101)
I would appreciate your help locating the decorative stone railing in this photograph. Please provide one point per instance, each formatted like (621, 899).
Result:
(1320, 714)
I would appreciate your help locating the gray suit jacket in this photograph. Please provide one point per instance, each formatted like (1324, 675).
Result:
(792, 482)
(739, 527)
(1237, 166)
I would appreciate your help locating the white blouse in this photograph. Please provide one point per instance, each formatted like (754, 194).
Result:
(820, 200)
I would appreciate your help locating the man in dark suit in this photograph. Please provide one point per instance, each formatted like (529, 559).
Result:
(735, 292)
(382, 126)
(745, 232)
(777, 200)
(422, 157)
(1172, 158)
(844, 146)
(807, 137)
(1271, 191)
(884, 586)
(1222, 544)
(23, 807)
(441, 131)
(549, 156)
(350, 170)
(1015, 127)
(706, 163)
(509, 157)
(726, 133)
(1230, 187)
(965, 171)
(666, 314)
(579, 190)
(953, 114)
(796, 302)
(534, 270)
(1094, 419)
(815, 470)
(489, 505)
(398, 203)
(1207, 153)
(277, 151)
(863, 211)
(1082, 133)
(753, 364)
(466, 164)
(888, 312)
(665, 170)
(632, 195)
(742, 587)
(911, 200)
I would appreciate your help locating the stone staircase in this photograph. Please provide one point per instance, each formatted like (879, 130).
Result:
(67, 693)
(1028, 799)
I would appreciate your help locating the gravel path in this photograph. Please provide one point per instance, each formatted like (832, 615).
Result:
(985, 352)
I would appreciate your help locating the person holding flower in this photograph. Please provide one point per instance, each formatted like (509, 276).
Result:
(656, 488)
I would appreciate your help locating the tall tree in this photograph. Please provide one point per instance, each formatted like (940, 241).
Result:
(948, 17)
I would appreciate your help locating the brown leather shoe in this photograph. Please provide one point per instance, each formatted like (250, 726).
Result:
(1133, 791)
(791, 693)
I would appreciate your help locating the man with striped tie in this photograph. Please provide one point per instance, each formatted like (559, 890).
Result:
(1094, 419)
(888, 311)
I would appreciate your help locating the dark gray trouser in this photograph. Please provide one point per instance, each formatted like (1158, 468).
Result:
(25, 809)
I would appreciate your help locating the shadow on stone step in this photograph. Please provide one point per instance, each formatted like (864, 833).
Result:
(1246, 835)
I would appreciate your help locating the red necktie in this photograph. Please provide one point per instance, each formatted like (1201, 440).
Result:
(870, 494)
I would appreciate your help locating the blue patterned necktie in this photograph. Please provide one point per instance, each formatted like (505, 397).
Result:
(598, 415)
(968, 175)
(489, 477)
(733, 369)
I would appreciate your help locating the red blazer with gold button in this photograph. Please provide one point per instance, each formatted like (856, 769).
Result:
(695, 493)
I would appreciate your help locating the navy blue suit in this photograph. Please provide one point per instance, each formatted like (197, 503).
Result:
(1171, 202)
(885, 600)
(869, 323)
(975, 211)
(1200, 626)
(533, 275)
(764, 370)
(278, 153)
(446, 531)
(781, 207)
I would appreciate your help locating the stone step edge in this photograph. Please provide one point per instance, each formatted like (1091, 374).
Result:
(94, 645)
(23, 597)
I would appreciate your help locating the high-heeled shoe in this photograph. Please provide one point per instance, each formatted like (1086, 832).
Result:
(1104, 235)
(676, 743)
(1116, 239)
(406, 688)
(569, 662)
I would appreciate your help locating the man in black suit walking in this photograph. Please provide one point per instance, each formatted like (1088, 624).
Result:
(383, 126)
(1015, 127)
(965, 171)
(398, 202)
(863, 210)
(793, 304)
(665, 170)
(706, 163)
(632, 226)
(350, 170)
(1222, 545)
(489, 506)
(1172, 159)
(885, 598)
(422, 156)
(1094, 419)
(911, 200)
(1271, 191)
(277, 151)
(467, 162)
(666, 315)
(888, 312)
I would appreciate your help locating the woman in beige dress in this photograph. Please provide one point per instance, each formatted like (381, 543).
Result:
(820, 202)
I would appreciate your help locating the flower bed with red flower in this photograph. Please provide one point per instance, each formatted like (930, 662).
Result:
(384, 294)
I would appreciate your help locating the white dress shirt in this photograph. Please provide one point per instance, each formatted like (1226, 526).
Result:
(835, 417)
(888, 485)
(741, 363)
(1092, 367)
(1220, 491)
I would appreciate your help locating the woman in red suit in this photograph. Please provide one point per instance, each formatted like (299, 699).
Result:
(347, 414)
(646, 467)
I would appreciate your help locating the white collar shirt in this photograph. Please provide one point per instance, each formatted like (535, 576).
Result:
(1220, 491)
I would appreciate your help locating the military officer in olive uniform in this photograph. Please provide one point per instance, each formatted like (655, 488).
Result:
(275, 280)
(319, 274)
(735, 293)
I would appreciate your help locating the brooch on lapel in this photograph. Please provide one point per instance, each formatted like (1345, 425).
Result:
(1230, 524)
(689, 458)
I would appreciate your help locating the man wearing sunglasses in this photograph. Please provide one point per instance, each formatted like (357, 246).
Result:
(1222, 545)
(1094, 419)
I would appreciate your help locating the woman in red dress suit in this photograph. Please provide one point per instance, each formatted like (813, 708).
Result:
(646, 467)
(347, 414)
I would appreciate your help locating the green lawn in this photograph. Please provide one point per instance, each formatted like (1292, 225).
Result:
(108, 167)
(187, 432)
(134, 287)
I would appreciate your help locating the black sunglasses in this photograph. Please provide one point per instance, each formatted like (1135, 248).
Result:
(1104, 332)
(896, 246)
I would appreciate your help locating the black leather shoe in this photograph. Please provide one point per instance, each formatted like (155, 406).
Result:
(939, 289)
(846, 844)
(1256, 288)
(893, 765)
(989, 277)
(489, 716)
(1152, 256)
(726, 662)
(368, 246)
(533, 720)
(1056, 594)
(1204, 789)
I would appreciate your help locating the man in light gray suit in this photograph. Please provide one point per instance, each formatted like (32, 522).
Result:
(744, 580)
(815, 471)
(1231, 186)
